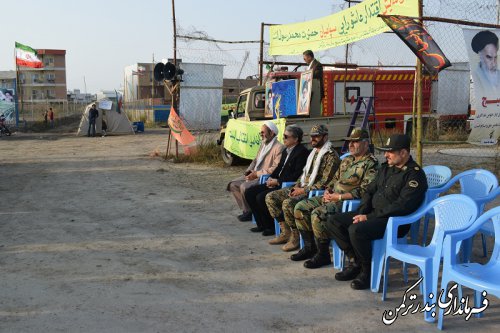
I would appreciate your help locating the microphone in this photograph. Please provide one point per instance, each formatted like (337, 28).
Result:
(295, 69)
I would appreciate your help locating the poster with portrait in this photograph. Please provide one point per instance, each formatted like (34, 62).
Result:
(284, 98)
(8, 105)
(482, 48)
(268, 113)
(305, 88)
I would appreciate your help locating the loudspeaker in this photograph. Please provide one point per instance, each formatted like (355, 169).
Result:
(158, 72)
(166, 71)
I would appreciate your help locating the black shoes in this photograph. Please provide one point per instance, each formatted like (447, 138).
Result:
(303, 254)
(246, 216)
(268, 232)
(362, 281)
(349, 273)
(257, 229)
(322, 257)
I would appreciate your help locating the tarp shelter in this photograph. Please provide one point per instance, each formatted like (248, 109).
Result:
(117, 122)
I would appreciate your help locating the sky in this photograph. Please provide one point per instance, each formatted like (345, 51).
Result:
(101, 37)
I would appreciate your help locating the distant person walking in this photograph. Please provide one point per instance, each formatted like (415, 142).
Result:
(93, 115)
(51, 117)
(46, 117)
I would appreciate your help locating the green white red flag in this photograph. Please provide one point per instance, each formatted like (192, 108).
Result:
(27, 57)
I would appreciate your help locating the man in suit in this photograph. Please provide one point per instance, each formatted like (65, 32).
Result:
(316, 67)
(293, 160)
(267, 160)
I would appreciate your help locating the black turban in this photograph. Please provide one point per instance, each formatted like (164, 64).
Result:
(483, 38)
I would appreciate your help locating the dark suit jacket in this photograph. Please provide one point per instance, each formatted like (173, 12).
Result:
(317, 69)
(292, 170)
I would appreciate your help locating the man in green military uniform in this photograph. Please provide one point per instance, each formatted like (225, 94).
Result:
(321, 165)
(356, 171)
(398, 190)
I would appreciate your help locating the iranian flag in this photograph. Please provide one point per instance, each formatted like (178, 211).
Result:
(26, 56)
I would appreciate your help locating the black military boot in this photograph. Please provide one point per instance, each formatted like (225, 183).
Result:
(350, 272)
(362, 281)
(322, 257)
(309, 248)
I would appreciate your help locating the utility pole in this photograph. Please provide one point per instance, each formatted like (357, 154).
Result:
(420, 82)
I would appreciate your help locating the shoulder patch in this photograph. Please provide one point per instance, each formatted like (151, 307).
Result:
(413, 183)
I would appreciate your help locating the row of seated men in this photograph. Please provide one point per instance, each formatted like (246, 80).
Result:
(394, 188)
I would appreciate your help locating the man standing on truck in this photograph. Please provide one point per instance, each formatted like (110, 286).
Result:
(317, 68)
(268, 158)
(398, 190)
(356, 171)
(321, 165)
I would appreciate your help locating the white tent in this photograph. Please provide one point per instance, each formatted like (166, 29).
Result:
(117, 123)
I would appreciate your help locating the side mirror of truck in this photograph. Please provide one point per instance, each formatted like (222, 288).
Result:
(260, 104)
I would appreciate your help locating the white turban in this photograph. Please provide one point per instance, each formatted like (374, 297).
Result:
(272, 126)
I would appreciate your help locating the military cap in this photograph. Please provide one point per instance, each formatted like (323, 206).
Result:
(319, 130)
(358, 134)
(396, 142)
(483, 38)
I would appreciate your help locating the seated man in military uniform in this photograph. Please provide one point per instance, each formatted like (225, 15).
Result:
(398, 190)
(321, 165)
(356, 171)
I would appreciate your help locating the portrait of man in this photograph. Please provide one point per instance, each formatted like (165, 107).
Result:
(305, 93)
(269, 101)
(487, 77)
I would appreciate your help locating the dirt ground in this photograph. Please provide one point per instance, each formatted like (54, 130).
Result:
(97, 236)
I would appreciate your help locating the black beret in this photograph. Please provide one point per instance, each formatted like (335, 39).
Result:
(483, 38)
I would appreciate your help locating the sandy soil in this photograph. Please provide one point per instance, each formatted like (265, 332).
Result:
(97, 236)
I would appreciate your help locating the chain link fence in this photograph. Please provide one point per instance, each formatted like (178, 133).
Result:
(446, 98)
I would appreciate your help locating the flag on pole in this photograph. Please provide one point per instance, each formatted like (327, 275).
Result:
(26, 56)
(419, 41)
(177, 128)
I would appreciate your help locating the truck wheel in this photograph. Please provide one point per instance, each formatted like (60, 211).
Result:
(228, 158)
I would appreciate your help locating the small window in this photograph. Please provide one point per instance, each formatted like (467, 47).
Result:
(259, 101)
(390, 122)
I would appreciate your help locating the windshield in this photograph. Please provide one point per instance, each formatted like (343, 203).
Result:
(242, 104)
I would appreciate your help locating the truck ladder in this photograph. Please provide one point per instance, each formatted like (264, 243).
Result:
(368, 109)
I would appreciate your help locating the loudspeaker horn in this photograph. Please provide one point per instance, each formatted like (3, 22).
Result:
(159, 72)
(170, 71)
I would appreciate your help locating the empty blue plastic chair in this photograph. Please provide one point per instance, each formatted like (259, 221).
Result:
(262, 180)
(437, 176)
(487, 228)
(472, 275)
(476, 184)
(453, 213)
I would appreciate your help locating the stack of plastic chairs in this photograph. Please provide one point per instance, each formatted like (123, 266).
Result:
(453, 213)
(472, 275)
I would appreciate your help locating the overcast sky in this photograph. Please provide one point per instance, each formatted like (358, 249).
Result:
(101, 37)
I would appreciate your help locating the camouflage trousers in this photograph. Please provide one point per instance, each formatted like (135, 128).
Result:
(281, 205)
(313, 210)
(322, 221)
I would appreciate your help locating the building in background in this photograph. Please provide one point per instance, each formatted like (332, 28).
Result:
(8, 80)
(139, 83)
(76, 96)
(46, 84)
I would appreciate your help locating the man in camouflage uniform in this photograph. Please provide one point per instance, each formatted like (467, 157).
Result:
(356, 171)
(322, 163)
(397, 190)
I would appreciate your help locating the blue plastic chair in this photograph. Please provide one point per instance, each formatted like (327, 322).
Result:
(472, 275)
(437, 176)
(454, 212)
(487, 228)
(476, 184)
(262, 180)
